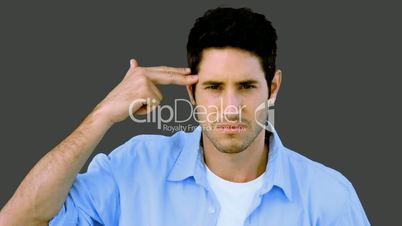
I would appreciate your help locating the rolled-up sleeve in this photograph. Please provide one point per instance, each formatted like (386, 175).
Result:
(93, 198)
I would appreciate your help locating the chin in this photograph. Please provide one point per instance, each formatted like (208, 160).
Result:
(231, 149)
(229, 146)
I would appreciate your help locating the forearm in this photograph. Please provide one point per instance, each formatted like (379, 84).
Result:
(44, 190)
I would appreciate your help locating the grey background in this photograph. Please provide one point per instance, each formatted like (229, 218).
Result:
(338, 104)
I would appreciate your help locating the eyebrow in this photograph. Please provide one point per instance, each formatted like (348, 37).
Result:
(211, 82)
(248, 82)
(245, 82)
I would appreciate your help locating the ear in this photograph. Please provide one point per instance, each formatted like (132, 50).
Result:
(190, 93)
(275, 85)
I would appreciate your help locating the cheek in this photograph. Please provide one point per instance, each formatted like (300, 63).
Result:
(205, 98)
(254, 99)
(206, 108)
(253, 108)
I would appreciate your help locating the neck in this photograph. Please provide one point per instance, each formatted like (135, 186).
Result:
(238, 167)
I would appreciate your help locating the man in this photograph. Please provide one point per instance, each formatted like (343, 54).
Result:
(231, 170)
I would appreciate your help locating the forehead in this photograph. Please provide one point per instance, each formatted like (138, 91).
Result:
(229, 64)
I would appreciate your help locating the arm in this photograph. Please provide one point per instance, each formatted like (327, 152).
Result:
(43, 191)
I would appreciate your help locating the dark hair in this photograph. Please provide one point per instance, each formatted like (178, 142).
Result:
(238, 28)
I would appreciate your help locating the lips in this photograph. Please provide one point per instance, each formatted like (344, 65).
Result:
(230, 127)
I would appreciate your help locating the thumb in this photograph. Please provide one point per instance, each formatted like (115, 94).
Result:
(133, 63)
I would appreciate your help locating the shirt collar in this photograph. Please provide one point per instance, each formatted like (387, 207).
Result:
(277, 169)
(190, 162)
(186, 162)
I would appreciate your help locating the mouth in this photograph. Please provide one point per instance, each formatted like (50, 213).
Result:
(231, 128)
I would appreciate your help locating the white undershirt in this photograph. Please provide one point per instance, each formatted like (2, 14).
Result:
(234, 198)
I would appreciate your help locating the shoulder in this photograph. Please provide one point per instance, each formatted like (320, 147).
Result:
(317, 173)
(325, 190)
(148, 150)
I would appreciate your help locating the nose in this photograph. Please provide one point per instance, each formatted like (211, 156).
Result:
(231, 102)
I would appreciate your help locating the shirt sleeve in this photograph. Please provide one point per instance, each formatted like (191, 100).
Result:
(353, 213)
(93, 198)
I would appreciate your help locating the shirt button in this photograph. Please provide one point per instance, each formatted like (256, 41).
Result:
(211, 210)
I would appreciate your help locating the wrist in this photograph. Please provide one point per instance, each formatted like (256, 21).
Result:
(101, 115)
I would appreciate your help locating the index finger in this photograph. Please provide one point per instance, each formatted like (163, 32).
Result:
(166, 78)
(184, 70)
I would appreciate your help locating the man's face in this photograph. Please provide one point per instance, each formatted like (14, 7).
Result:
(231, 86)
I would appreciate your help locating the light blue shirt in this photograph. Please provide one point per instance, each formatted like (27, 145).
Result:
(154, 180)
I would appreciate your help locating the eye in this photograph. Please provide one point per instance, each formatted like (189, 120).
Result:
(247, 86)
(212, 87)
